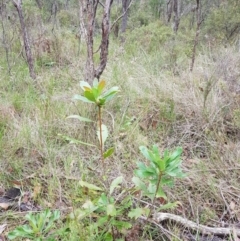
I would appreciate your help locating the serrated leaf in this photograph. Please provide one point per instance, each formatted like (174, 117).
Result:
(89, 206)
(139, 184)
(109, 152)
(144, 150)
(103, 200)
(115, 183)
(160, 193)
(80, 118)
(121, 224)
(169, 206)
(82, 98)
(135, 213)
(21, 231)
(176, 154)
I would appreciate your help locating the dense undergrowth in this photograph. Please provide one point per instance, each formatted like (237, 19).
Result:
(160, 102)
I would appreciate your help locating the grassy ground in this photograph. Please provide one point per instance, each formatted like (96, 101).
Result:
(160, 103)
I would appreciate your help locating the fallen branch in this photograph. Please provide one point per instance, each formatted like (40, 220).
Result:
(159, 217)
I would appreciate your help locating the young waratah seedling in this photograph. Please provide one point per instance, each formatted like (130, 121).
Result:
(41, 227)
(95, 95)
(161, 171)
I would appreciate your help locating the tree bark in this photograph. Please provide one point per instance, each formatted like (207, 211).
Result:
(199, 21)
(5, 41)
(125, 4)
(176, 10)
(88, 9)
(18, 6)
(39, 3)
(105, 39)
(169, 10)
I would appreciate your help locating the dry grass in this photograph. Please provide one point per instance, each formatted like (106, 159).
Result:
(198, 111)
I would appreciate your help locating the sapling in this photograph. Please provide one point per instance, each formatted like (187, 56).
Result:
(96, 95)
(160, 172)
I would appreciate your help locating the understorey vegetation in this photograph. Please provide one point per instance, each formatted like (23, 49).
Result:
(119, 120)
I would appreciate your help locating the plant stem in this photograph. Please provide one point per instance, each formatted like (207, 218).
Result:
(154, 199)
(100, 134)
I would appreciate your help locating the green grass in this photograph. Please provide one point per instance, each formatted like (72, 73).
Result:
(32, 114)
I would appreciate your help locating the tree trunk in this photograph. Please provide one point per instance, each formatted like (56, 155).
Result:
(176, 10)
(88, 9)
(39, 3)
(105, 39)
(5, 41)
(125, 4)
(199, 21)
(169, 10)
(27, 47)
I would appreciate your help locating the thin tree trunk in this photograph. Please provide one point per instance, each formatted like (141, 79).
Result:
(39, 3)
(27, 47)
(88, 9)
(169, 10)
(4, 39)
(199, 21)
(125, 4)
(91, 8)
(105, 39)
(176, 9)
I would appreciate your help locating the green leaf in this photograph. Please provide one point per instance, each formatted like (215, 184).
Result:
(121, 224)
(136, 213)
(54, 216)
(21, 231)
(108, 237)
(75, 141)
(104, 133)
(109, 152)
(101, 101)
(169, 206)
(111, 210)
(89, 186)
(115, 183)
(90, 96)
(82, 98)
(139, 184)
(32, 221)
(78, 117)
(89, 206)
(177, 153)
(145, 152)
(108, 95)
(156, 152)
(144, 171)
(80, 214)
(103, 200)
(160, 193)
